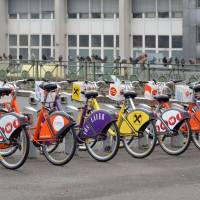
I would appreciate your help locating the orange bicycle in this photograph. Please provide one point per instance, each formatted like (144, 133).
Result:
(54, 132)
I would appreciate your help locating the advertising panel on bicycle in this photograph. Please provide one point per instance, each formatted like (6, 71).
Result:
(79, 88)
(183, 93)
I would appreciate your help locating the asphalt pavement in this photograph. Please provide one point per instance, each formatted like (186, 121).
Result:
(157, 177)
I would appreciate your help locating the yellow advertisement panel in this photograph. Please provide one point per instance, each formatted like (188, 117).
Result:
(76, 92)
(135, 119)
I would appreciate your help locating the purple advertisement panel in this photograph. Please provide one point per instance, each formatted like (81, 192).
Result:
(96, 122)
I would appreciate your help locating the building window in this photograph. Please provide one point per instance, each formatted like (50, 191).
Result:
(23, 15)
(13, 52)
(163, 54)
(163, 14)
(137, 15)
(23, 40)
(46, 15)
(24, 53)
(54, 40)
(96, 15)
(35, 15)
(12, 40)
(84, 41)
(198, 3)
(150, 15)
(163, 8)
(35, 40)
(35, 53)
(177, 54)
(150, 41)
(83, 15)
(72, 15)
(198, 34)
(177, 14)
(72, 54)
(117, 40)
(177, 42)
(137, 41)
(72, 41)
(136, 54)
(84, 52)
(109, 54)
(108, 15)
(108, 41)
(96, 40)
(13, 16)
(46, 53)
(46, 40)
(163, 41)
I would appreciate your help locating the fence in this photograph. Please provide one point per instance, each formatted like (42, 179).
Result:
(84, 70)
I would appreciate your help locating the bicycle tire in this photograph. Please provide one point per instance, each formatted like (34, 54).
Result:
(6, 161)
(51, 156)
(145, 144)
(174, 149)
(93, 144)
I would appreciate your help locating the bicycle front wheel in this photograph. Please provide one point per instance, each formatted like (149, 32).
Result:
(62, 151)
(177, 142)
(142, 144)
(19, 148)
(105, 146)
(196, 139)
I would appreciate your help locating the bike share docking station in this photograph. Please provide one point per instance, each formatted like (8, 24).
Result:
(30, 106)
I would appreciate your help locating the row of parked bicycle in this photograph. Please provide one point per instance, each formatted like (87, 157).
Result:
(100, 127)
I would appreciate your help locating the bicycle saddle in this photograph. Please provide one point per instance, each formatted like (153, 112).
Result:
(162, 98)
(5, 91)
(48, 86)
(91, 94)
(196, 88)
(130, 94)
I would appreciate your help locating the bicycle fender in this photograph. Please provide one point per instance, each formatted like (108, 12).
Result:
(136, 120)
(173, 118)
(10, 123)
(57, 123)
(97, 122)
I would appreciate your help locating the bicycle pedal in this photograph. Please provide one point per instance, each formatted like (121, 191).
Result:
(36, 144)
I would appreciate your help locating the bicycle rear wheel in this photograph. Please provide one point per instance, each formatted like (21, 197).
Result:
(178, 142)
(143, 144)
(62, 151)
(20, 144)
(106, 145)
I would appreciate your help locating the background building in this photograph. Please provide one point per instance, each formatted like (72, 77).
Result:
(101, 27)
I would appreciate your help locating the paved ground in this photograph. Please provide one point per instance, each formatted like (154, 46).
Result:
(157, 177)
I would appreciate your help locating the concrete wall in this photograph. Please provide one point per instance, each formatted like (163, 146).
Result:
(3, 26)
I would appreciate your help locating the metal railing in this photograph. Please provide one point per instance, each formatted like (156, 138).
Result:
(85, 70)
